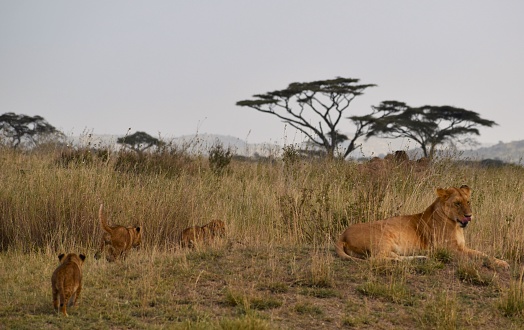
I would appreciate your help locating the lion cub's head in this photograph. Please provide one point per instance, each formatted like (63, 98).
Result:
(137, 237)
(217, 228)
(455, 203)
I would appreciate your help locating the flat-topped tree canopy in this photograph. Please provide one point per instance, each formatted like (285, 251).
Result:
(428, 125)
(299, 103)
(19, 127)
(139, 141)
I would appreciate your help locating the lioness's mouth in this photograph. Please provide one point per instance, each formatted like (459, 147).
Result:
(464, 221)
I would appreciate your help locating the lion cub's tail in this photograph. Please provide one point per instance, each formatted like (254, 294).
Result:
(103, 220)
(339, 248)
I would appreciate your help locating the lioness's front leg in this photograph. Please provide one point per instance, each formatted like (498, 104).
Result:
(476, 254)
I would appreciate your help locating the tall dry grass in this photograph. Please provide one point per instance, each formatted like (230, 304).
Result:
(276, 267)
(51, 204)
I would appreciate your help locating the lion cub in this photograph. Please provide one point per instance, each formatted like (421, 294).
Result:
(200, 234)
(119, 239)
(67, 281)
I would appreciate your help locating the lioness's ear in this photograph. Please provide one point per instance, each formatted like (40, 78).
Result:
(442, 193)
(137, 229)
(83, 257)
(61, 256)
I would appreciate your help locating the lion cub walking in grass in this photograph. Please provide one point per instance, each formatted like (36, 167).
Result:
(440, 225)
(197, 234)
(67, 281)
(118, 239)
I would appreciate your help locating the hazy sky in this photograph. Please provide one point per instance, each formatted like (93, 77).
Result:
(179, 67)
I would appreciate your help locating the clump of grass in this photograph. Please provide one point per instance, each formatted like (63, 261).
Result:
(512, 302)
(394, 291)
(265, 303)
(245, 303)
(81, 156)
(441, 312)
(169, 163)
(248, 322)
(275, 287)
(442, 255)
(308, 309)
(321, 271)
(470, 273)
(322, 293)
(427, 267)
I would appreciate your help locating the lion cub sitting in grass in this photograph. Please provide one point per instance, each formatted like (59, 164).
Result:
(202, 234)
(118, 239)
(67, 281)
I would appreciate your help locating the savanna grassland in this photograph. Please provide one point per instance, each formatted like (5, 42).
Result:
(276, 267)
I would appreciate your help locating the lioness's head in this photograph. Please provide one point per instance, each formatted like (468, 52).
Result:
(137, 237)
(456, 204)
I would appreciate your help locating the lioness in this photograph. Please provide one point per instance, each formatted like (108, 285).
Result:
(190, 236)
(440, 225)
(119, 239)
(66, 281)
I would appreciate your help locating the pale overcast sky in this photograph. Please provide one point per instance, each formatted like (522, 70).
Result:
(179, 67)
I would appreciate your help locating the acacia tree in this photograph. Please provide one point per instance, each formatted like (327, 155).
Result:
(300, 102)
(139, 141)
(429, 126)
(18, 128)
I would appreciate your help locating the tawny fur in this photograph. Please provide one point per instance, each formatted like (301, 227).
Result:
(118, 239)
(66, 281)
(441, 225)
(202, 234)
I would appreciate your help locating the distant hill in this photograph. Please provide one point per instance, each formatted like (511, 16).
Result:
(512, 152)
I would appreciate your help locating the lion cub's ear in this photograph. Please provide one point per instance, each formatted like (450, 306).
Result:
(466, 189)
(82, 257)
(61, 256)
(137, 229)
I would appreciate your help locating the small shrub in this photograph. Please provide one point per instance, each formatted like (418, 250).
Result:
(219, 158)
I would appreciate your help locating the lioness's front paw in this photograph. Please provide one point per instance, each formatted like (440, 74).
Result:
(501, 264)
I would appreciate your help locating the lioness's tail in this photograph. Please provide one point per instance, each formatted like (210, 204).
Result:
(103, 220)
(339, 248)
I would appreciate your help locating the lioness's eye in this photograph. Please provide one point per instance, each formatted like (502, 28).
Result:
(457, 204)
